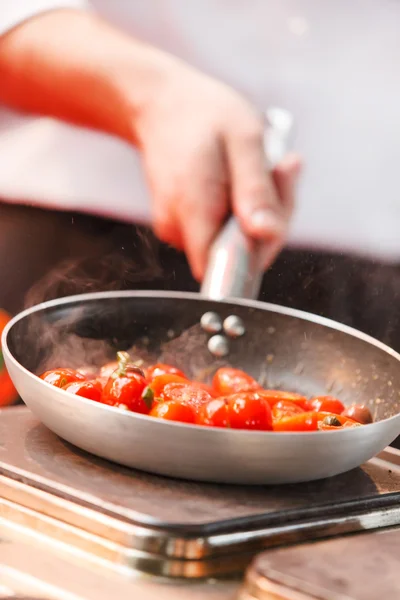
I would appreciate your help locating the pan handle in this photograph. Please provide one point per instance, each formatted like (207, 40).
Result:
(235, 265)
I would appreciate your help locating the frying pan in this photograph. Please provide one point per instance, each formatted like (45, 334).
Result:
(282, 348)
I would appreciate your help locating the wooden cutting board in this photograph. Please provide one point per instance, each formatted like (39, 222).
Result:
(362, 567)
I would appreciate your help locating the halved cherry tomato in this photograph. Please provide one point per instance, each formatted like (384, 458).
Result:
(285, 408)
(213, 413)
(274, 396)
(229, 381)
(87, 389)
(206, 387)
(172, 410)
(158, 384)
(246, 410)
(162, 369)
(326, 404)
(307, 421)
(60, 377)
(187, 393)
(328, 421)
(358, 413)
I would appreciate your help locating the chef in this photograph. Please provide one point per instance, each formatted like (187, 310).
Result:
(151, 113)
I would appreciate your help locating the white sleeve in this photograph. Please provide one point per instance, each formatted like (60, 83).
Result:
(13, 12)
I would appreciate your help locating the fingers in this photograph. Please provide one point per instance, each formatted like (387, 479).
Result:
(285, 177)
(254, 198)
(263, 202)
(206, 208)
(262, 213)
(189, 208)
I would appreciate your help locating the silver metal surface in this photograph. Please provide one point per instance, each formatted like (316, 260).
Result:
(234, 327)
(211, 322)
(218, 455)
(218, 345)
(122, 544)
(236, 262)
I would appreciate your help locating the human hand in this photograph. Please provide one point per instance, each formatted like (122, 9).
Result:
(202, 143)
(203, 150)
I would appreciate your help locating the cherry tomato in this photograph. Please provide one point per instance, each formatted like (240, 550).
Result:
(87, 389)
(213, 413)
(328, 421)
(8, 393)
(274, 396)
(307, 421)
(326, 404)
(206, 387)
(172, 410)
(285, 408)
(361, 414)
(246, 410)
(159, 383)
(128, 389)
(102, 381)
(162, 369)
(108, 369)
(229, 381)
(60, 377)
(187, 393)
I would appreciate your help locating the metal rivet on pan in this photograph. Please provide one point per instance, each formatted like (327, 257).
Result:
(234, 326)
(211, 322)
(218, 345)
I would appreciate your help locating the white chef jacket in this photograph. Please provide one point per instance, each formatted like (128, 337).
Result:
(334, 64)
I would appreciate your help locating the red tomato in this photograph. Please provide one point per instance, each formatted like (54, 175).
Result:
(229, 381)
(186, 393)
(285, 408)
(127, 389)
(159, 383)
(162, 369)
(307, 421)
(108, 369)
(274, 396)
(205, 387)
(60, 377)
(213, 413)
(102, 381)
(172, 410)
(8, 393)
(87, 389)
(246, 410)
(326, 404)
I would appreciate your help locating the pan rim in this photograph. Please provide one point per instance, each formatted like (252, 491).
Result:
(266, 306)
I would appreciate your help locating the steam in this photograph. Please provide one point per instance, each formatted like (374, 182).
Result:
(55, 344)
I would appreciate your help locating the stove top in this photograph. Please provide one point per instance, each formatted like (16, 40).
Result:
(178, 520)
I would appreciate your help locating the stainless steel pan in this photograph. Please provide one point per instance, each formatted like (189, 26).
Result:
(283, 347)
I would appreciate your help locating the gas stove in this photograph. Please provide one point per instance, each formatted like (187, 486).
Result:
(124, 521)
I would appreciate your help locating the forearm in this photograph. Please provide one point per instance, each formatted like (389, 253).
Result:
(73, 66)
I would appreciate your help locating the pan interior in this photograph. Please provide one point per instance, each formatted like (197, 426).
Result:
(279, 348)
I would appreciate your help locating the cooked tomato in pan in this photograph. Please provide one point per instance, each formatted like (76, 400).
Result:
(234, 400)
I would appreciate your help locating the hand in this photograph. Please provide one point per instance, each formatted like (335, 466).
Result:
(203, 152)
(202, 143)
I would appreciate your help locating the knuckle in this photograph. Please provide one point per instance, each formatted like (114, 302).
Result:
(250, 129)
